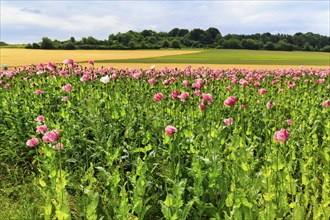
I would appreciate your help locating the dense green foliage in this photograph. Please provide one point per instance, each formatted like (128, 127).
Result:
(113, 159)
(195, 38)
(3, 43)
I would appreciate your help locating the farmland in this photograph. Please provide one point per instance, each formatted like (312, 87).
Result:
(169, 58)
(19, 57)
(164, 143)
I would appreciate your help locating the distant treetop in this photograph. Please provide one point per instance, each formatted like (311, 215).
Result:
(195, 38)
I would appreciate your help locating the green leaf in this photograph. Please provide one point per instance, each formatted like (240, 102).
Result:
(42, 183)
(169, 200)
(246, 203)
(229, 200)
(269, 196)
(245, 166)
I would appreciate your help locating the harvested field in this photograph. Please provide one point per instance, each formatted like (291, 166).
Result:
(18, 57)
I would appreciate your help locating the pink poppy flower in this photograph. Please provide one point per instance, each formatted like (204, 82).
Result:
(326, 103)
(282, 135)
(292, 85)
(32, 142)
(281, 90)
(68, 61)
(207, 97)
(320, 81)
(183, 96)
(58, 146)
(185, 83)
(114, 76)
(197, 93)
(202, 106)
(170, 130)
(243, 82)
(262, 91)
(230, 101)
(51, 136)
(158, 97)
(228, 121)
(166, 82)
(198, 83)
(67, 88)
(6, 86)
(152, 81)
(228, 88)
(328, 87)
(41, 129)
(175, 94)
(38, 92)
(289, 121)
(257, 84)
(65, 98)
(85, 77)
(40, 118)
(91, 62)
(269, 105)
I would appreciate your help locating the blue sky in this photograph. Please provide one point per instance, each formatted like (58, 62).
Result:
(29, 21)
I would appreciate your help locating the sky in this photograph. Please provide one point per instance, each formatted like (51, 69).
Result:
(28, 21)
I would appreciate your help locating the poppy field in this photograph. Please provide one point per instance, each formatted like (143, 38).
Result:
(191, 143)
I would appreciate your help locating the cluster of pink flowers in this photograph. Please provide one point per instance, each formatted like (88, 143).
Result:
(269, 105)
(196, 83)
(49, 136)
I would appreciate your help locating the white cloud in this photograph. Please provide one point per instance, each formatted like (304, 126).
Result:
(25, 20)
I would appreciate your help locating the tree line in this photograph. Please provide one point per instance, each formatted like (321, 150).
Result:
(196, 38)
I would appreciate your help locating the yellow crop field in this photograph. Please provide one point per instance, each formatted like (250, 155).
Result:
(19, 57)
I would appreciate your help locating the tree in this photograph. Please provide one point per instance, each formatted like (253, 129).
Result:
(196, 34)
(182, 32)
(283, 45)
(325, 48)
(307, 47)
(3, 43)
(47, 43)
(173, 32)
(165, 44)
(146, 33)
(213, 32)
(36, 46)
(69, 46)
(132, 45)
(250, 44)
(269, 46)
(231, 44)
(175, 44)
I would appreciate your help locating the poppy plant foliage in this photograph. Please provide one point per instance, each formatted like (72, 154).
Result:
(155, 139)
